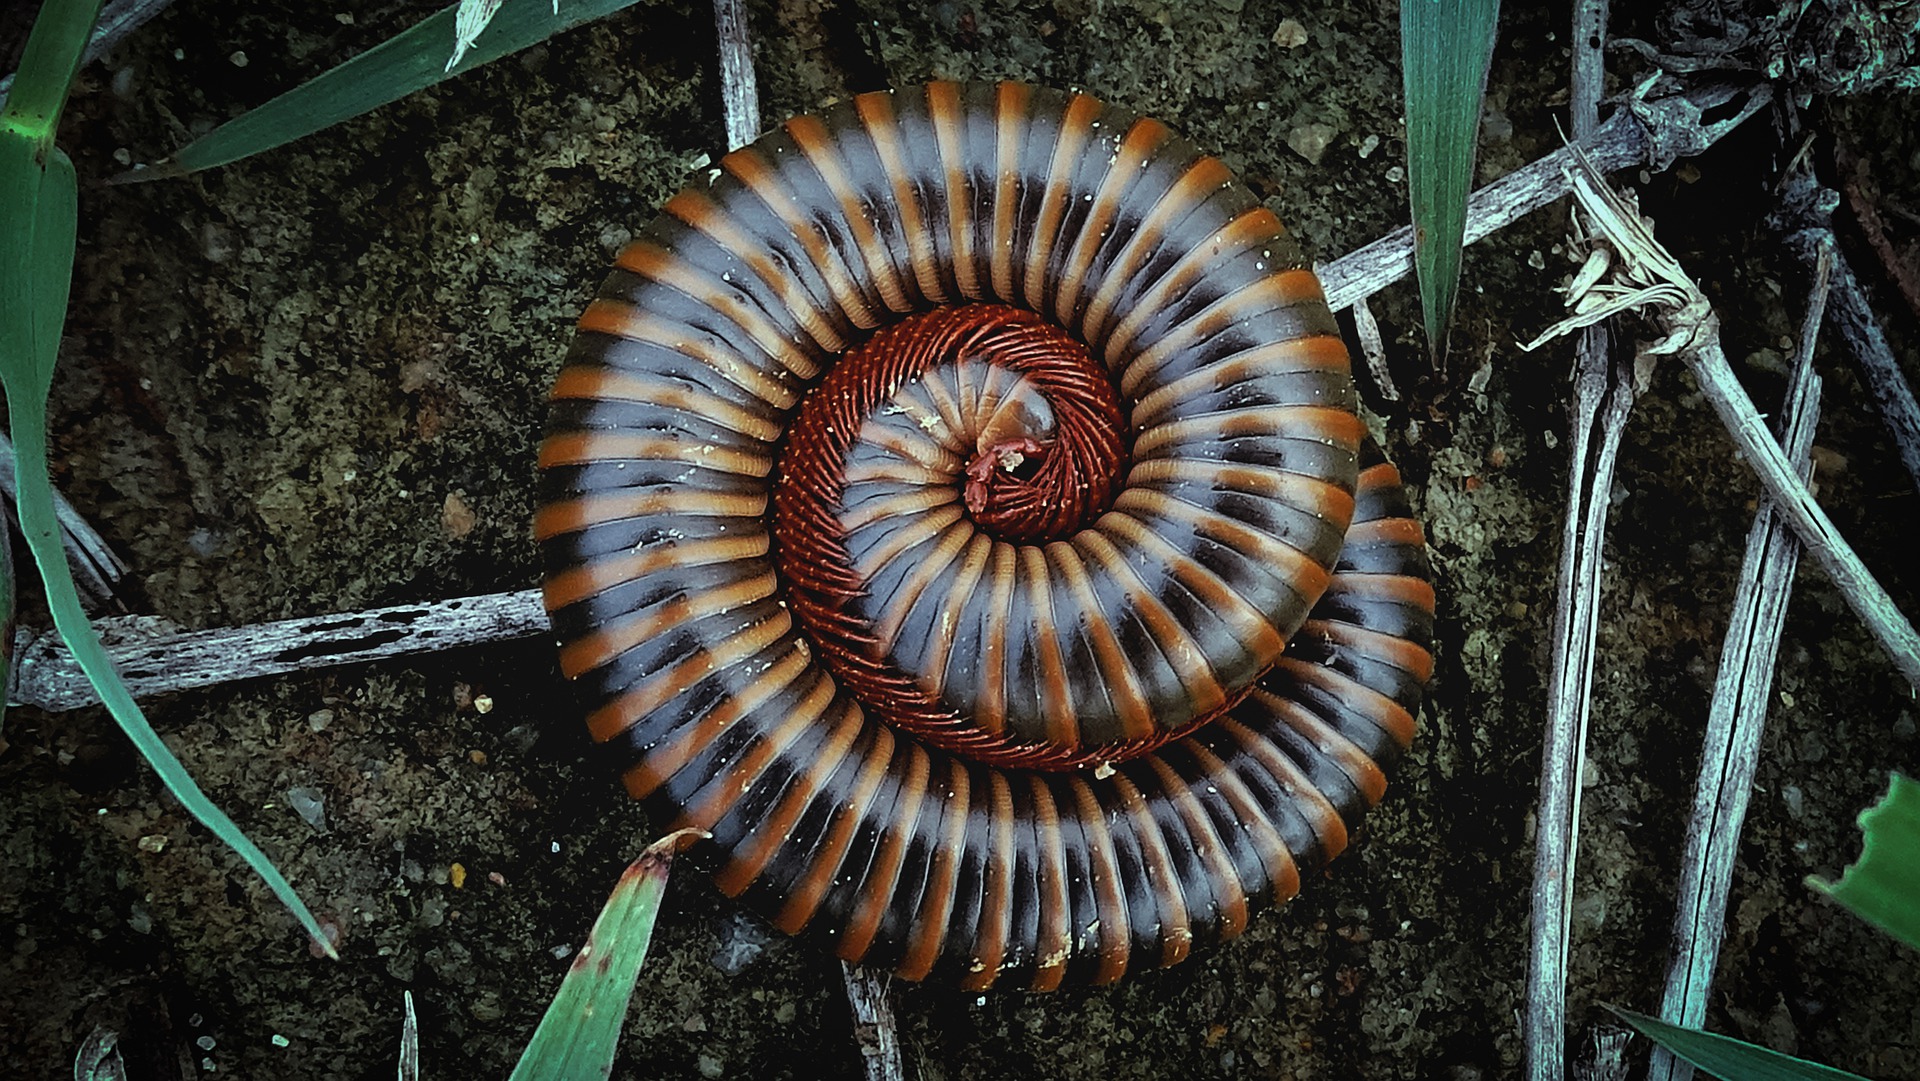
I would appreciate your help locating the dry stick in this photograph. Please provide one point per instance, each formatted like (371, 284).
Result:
(1808, 219)
(1651, 133)
(225, 655)
(873, 1026)
(1563, 751)
(1810, 523)
(95, 566)
(1738, 716)
(1603, 394)
(154, 663)
(739, 92)
(118, 18)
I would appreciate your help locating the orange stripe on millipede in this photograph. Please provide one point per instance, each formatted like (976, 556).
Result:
(1327, 825)
(1201, 179)
(1254, 633)
(1182, 653)
(996, 913)
(1407, 656)
(1175, 930)
(706, 807)
(574, 515)
(929, 926)
(700, 212)
(1283, 872)
(623, 320)
(609, 640)
(669, 683)
(940, 650)
(1113, 943)
(606, 384)
(916, 581)
(1011, 103)
(1117, 674)
(1318, 353)
(657, 264)
(1207, 847)
(876, 115)
(1070, 144)
(944, 112)
(760, 178)
(821, 151)
(686, 742)
(749, 858)
(587, 447)
(991, 707)
(883, 875)
(1321, 424)
(1286, 289)
(1364, 772)
(803, 899)
(1062, 725)
(596, 576)
(1053, 945)
(1132, 152)
(1253, 228)
(1391, 717)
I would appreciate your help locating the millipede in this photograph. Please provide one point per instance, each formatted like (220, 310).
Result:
(959, 508)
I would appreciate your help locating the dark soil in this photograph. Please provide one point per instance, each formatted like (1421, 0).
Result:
(313, 382)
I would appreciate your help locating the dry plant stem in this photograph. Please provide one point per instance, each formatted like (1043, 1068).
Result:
(1603, 394)
(95, 566)
(1807, 219)
(739, 91)
(1737, 718)
(159, 662)
(873, 1025)
(218, 656)
(1810, 523)
(1652, 133)
(1373, 349)
(118, 18)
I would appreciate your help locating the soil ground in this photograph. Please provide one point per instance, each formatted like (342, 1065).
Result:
(313, 382)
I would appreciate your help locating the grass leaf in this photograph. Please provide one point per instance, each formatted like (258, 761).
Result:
(1445, 49)
(39, 210)
(1883, 887)
(1727, 1058)
(578, 1036)
(411, 60)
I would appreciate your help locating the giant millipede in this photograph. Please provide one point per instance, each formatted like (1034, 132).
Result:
(959, 508)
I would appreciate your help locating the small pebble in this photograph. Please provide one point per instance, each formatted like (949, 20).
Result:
(153, 842)
(1290, 34)
(319, 719)
(238, 58)
(483, 703)
(457, 874)
(281, 1041)
(1310, 141)
(310, 805)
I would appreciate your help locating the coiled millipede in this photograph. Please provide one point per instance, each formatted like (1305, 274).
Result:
(927, 503)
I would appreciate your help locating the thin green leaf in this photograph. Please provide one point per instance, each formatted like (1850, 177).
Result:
(578, 1036)
(54, 49)
(1727, 1058)
(412, 60)
(1883, 888)
(39, 208)
(1445, 48)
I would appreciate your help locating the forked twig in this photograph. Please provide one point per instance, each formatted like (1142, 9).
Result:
(1692, 332)
(1737, 718)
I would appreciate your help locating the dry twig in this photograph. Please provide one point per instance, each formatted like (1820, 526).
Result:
(1737, 718)
(874, 1029)
(739, 90)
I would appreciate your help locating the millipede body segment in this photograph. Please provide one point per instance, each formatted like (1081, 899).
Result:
(959, 509)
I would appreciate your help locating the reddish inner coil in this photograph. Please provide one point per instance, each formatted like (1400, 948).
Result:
(1040, 463)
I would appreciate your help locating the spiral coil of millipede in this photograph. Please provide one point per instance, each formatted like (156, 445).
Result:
(959, 509)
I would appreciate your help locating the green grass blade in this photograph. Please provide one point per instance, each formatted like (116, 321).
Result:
(39, 209)
(578, 1036)
(53, 53)
(1727, 1058)
(411, 60)
(1445, 48)
(1883, 887)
